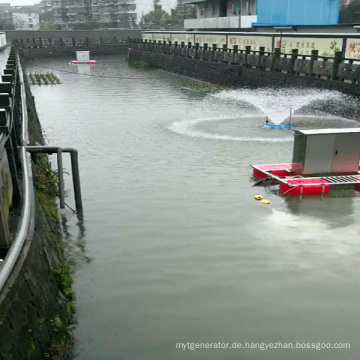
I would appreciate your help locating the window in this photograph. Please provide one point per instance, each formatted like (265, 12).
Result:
(214, 10)
(31, 26)
(202, 10)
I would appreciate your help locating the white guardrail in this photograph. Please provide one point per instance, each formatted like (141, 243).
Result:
(26, 224)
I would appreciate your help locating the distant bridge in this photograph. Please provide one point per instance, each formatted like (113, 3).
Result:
(60, 42)
(38, 47)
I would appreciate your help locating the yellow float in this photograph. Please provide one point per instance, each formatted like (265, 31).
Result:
(266, 202)
(258, 197)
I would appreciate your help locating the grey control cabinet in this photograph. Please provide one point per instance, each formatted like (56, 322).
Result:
(326, 151)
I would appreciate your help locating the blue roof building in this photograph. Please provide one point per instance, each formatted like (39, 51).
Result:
(297, 12)
(240, 14)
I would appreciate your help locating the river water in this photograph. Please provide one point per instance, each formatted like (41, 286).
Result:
(173, 247)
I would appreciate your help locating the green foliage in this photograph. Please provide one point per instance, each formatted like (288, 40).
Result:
(60, 328)
(350, 14)
(64, 281)
(47, 25)
(41, 322)
(32, 347)
(157, 18)
(63, 332)
(141, 64)
(46, 183)
(43, 79)
(63, 329)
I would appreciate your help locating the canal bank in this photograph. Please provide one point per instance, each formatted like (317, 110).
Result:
(174, 247)
(36, 300)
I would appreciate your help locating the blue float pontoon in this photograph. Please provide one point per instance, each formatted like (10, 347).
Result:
(273, 126)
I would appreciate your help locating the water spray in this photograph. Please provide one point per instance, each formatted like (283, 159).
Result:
(275, 104)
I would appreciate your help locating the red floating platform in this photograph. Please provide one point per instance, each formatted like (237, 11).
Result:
(323, 159)
(291, 182)
(90, 62)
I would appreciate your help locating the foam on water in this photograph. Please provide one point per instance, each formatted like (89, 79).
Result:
(187, 128)
(276, 103)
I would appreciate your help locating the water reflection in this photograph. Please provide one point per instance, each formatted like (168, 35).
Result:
(84, 69)
(335, 210)
(75, 246)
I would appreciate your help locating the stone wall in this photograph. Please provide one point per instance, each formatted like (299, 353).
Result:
(233, 75)
(93, 34)
(35, 311)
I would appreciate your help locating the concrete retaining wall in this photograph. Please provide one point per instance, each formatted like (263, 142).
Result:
(34, 311)
(234, 75)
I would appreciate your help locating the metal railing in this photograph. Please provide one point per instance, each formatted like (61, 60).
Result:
(26, 223)
(325, 67)
(39, 43)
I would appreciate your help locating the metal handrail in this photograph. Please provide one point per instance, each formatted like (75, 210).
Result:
(27, 214)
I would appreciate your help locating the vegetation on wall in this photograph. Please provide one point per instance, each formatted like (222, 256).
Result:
(60, 324)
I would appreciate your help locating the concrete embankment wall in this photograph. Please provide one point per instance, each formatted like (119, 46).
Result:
(234, 75)
(36, 302)
(77, 34)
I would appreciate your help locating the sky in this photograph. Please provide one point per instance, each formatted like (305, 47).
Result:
(141, 5)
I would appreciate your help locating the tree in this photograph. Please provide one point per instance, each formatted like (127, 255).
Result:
(181, 12)
(350, 14)
(7, 25)
(47, 26)
(184, 10)
(157, 18)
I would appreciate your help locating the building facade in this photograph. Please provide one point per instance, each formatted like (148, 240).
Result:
(70, 14)
(26, 17)
(247, 14)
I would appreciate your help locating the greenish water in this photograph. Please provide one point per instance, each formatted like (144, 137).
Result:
(173, 247)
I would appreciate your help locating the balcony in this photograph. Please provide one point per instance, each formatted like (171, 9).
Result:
(229, 22)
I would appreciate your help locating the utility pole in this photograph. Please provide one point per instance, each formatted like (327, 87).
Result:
(281, 29)
(239, 12)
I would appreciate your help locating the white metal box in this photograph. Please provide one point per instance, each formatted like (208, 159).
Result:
(326, 151)
(82, 55)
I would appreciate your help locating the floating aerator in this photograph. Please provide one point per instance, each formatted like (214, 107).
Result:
(274, 126)
(323, 159)
(83, 57)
